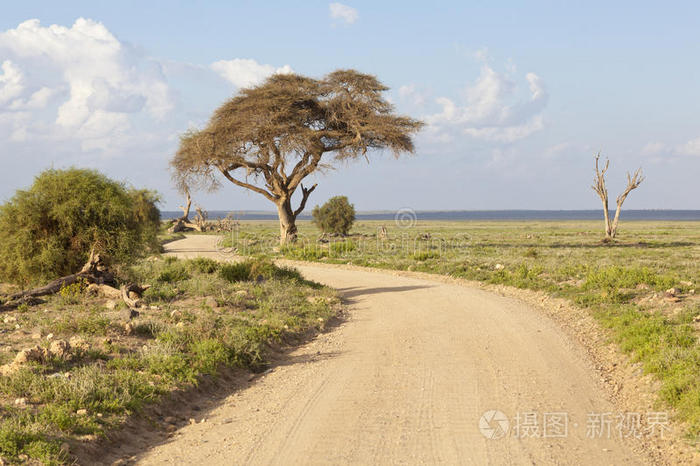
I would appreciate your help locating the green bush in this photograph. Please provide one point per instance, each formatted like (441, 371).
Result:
(252, 269)
(203, 265)
(335, 216)
(48, 230)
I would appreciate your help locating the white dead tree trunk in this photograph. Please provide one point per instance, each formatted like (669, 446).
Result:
(633, 182)
(183, 223)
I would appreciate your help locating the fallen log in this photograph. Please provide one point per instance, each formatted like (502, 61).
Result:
(131, 294)
(183, 225)
(94, 273)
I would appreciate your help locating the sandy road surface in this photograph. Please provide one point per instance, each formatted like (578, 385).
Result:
(406, 380)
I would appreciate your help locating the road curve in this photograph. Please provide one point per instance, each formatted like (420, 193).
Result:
(406, 380)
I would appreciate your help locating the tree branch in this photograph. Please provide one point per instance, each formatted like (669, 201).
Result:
(242, 184)
(304, 196)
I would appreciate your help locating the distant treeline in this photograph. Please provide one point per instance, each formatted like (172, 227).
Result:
(676, 215)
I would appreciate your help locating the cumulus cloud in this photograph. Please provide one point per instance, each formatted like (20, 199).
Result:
(343, 12)
(245, 72)
(491, 108)
(77, 82)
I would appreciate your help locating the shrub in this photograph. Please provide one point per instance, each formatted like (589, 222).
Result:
(335, 216)
(48, 230)
(251, 269)
(203, 265)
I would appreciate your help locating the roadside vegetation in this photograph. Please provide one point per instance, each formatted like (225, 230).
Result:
(49, 230)
(336, 216)
(642, 287)
(79, 365)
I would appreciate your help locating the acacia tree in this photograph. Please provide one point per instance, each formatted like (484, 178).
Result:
(633, 182)
(270, 137)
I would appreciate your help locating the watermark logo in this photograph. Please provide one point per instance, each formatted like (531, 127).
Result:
(494, 425)
(405, 218)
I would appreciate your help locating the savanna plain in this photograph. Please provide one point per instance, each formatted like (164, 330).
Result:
(81, 365)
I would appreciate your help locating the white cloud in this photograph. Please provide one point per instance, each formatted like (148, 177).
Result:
(491, 109)
(245, 72)
(10, 82)
(411, 93)
(343, 12)
(80, 82)
(690, 148)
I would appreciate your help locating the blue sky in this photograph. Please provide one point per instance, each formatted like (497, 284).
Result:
(517, 95)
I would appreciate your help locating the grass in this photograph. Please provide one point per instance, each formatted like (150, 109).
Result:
(198, 318)
(622, 284)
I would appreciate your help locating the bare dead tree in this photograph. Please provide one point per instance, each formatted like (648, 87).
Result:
(183, 223)
(188, 203)
(633, 182)
(269, 138)
(201, 219)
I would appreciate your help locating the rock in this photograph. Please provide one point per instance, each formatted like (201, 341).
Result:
(228, 420)
(170, 420)
(33, 354)
(8, 369)
(36, 336)
(176, 314)
(211, 302)
(192, 421)
(81, 412)
(154, 308)
(60, 349)
(49, 336)
(9, 319)
(672, 292)
(499, 267)
(111, 304)
(21, 402)
(692, 291)
(685, 283)
(79, 343)
(128, 314)
(128, 328)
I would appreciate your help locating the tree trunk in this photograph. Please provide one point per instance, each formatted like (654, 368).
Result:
(608, 228)
(288, 228)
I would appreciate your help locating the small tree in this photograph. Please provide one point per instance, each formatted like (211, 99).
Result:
(633, 182)
(269, 138)
(335, 216)
(50, 229)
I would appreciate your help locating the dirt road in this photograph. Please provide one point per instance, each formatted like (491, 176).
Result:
(407, 380)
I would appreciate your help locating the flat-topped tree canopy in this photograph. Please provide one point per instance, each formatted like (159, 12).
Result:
(268, 138)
